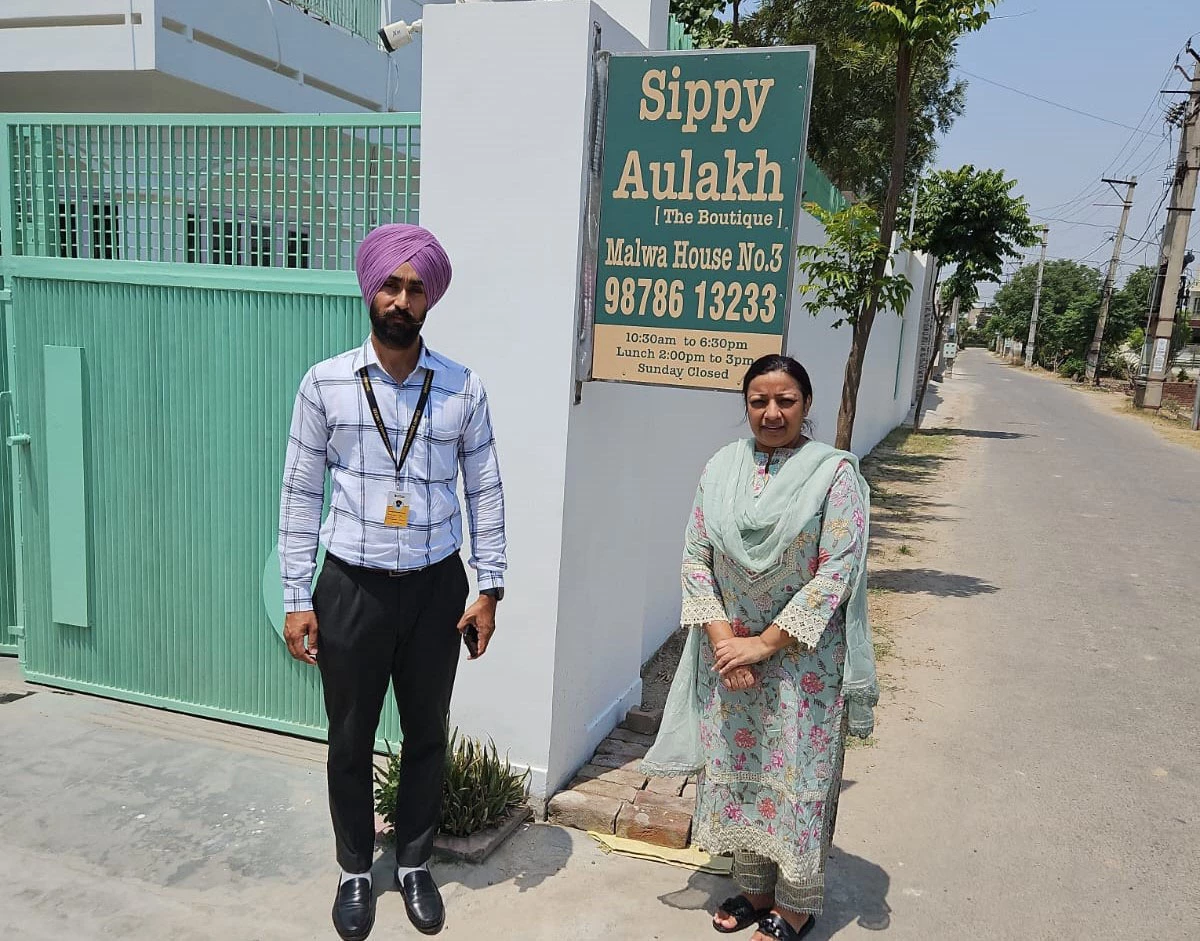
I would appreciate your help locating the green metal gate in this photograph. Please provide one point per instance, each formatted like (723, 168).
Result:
(8, 548)
(169, 281)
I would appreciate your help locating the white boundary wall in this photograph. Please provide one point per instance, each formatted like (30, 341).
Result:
(598, 493)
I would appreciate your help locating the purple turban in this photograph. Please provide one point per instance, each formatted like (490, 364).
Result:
(385, 249)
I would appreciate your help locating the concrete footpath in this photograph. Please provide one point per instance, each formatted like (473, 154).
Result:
(118, 821)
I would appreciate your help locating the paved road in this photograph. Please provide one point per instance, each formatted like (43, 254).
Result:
(1049, 784)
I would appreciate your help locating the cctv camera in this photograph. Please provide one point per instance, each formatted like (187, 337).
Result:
(398, 34)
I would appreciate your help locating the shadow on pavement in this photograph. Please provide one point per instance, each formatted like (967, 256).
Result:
(931, 582)
(527, 859)
(855, 891)
(932, 398)
(975, 433)
(890, 467)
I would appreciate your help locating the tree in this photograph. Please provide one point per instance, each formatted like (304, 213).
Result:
(1066, 286)
(699, 17)
(968, 219)
(1130, 307)
(854, 88)
(911, 29)
(840, 275)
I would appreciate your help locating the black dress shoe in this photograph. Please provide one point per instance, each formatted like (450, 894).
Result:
(423, 901)
(354, 910)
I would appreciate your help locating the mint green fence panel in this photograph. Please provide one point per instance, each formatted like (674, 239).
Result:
(819, 189)
(8, 601)
(192, 267)
(188, 397)
(678, 38)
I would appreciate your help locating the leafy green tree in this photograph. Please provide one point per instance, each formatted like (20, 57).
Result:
(1066, 286)
(971, 217)
(909, 29)
(699, 17)
(854, 91)
(840, 274)
(1130, 308)
(968, 219)
(961, 286)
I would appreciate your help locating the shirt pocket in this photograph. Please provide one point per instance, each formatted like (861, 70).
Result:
(443, 431)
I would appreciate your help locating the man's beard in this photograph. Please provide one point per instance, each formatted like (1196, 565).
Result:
(398, 330)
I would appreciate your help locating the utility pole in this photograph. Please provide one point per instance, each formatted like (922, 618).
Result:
(1093, 360)
(1175, 233)
(1196, 409)
(1037, 301)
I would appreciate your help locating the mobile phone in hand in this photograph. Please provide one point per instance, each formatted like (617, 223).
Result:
(471, 639)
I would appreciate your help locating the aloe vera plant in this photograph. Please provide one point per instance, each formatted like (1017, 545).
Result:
(479, 790)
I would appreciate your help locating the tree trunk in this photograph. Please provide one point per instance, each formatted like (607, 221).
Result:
(887, 226)
(736, 18)
(937, 345)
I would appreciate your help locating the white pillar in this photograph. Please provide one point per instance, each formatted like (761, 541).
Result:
(504, 119)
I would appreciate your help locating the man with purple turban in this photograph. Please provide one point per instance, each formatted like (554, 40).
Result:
(392, 422)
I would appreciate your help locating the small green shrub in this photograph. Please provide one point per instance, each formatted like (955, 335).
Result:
(479, 791)
(1074, 368)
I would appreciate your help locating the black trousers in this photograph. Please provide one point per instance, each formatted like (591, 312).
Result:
(372, 628)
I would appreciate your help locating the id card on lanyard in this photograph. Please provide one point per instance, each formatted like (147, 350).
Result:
(396, 512)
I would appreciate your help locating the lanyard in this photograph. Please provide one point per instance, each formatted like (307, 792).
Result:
(412, 426)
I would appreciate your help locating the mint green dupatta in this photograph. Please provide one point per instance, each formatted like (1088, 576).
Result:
(755, 532)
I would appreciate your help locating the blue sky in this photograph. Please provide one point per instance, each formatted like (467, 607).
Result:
(1105, 57)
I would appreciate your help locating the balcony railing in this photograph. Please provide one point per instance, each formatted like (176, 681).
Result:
(360, 17)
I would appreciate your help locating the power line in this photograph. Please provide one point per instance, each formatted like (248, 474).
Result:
(1155, 99)
(1088, 256)
(1072, 210)
(1154, 215)
(1047, 101)
(1067, 222)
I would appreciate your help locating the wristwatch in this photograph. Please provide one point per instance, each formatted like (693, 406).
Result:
(497, 594)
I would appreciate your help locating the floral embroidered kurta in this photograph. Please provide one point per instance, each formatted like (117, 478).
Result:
(773, 752)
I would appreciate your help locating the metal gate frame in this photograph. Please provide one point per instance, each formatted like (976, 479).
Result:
(267, 206)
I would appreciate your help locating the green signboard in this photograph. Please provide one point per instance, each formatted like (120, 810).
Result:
(702, 166)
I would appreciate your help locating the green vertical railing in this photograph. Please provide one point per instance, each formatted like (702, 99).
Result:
(358, 16)
(245, 191)
(10, 590)
(8, 548)
(678, 38)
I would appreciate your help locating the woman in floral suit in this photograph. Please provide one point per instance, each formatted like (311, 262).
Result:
(779, 661)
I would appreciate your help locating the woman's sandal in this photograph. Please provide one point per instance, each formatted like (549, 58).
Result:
(773, 926)
(738, 907)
